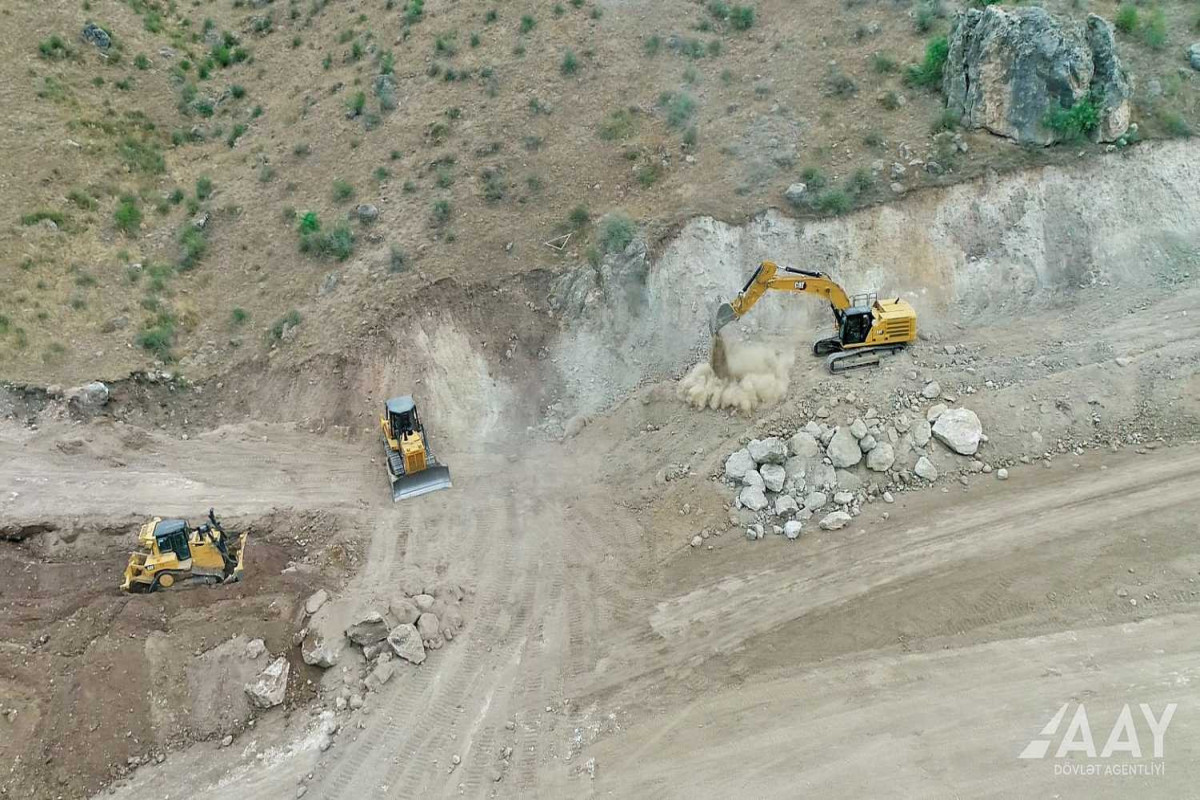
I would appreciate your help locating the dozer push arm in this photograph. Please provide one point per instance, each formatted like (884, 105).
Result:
(797, 281)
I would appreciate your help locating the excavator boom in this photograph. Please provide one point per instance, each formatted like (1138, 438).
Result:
(767, 277)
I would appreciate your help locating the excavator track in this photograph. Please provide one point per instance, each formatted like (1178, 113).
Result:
(847, 360)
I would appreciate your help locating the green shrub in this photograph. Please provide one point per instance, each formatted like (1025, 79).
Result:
(928, 74)
(192, 246)
(141, 62)
(397, 259)
(337, 243)
(309, 223)
(619, 124)
(813, 178)
(128, 216)
(204, 187)
(679, 106)
(158, 335)
(494, 186)
(1127, 19)
(719, 10)
(860, 182)
(741, 18)
(289, 320)
(54, 48)
(239, 315)
(653, 45)
(570, 64)
(1174, 124)
(948, 120)
(237, 91)
(141, 156)
(579, 216)
(833, 202)
(82, 199)
(236, 133)
(43, 213)
(616, 232)
(1074, 123)
(882, 63)
(440, 213)
(342, 191)
(356, 104)
(1154, 30)
(528, 23)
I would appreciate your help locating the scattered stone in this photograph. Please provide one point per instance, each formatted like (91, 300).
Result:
(796, 193)
(697, 540)
(314, 602)
(89, 398)
(370, 629)
(935, 411)
(786, 505)
(227, 740)
(356, 701)
(835, 521)
(367, 213)
(382, 673)
(925, 469)
(843, 450)
(317, 651)
(843, 498)
(754, 478)
(753, 498)
(424, 601)
(920, 432)
(858, 428)
(791, 529)
(867, 443)
(960, 430)
(1002, 474)
(406, 643)
(403, 611)
(931, 390)
(767, 451)
(94, 34)
(1193, 54)
(269, 688)
(430, 630)
(815, 501)
(773, 477)
(888, 498)
(822, 476)
(881, 457)
(804, 445)
(1122, 361)
(738, 464)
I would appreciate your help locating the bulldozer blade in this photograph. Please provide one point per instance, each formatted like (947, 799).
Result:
(430, 479)
(725, 315)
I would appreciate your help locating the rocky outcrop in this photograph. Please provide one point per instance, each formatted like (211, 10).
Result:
(1008, 69)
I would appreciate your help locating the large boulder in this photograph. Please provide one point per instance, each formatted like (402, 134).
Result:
(89, 398)
(767, 451)
(1193, 54)
(1008, 69)
(269, 688)
(804, 445)
(406, 642)
(429, 629)
(368, 630)
(925, 469)
(753, 498)
(403, 611)
(94, 34)
(773, 477)
(834, 521)
(843, 449)
(738, 464)
(960, 430)
(320, 651)
(881, 458)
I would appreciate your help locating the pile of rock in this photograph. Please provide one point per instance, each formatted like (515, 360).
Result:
(419, 619)
(827, 472)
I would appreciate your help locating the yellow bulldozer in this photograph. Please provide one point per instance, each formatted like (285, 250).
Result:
(865, 327)
(411, 466)
(172, 552)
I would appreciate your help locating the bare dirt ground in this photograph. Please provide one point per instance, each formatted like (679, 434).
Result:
(912, 655)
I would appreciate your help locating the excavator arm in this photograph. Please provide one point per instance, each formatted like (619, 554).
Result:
(796, 281)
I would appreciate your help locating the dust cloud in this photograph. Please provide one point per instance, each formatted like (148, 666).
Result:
(739, 375)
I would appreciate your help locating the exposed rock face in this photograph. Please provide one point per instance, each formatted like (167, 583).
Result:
(1008, 68)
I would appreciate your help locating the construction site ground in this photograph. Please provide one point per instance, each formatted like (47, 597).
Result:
(914, 654)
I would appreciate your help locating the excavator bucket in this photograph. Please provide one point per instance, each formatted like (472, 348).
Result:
(725, 315)
(431, 479)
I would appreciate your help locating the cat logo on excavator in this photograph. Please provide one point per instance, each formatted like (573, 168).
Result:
(410, 462)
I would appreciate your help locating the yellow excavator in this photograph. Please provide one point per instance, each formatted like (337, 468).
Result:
(865, 327)
(410, 462)
(172, 552)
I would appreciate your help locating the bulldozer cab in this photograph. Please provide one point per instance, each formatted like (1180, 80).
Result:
(402, 417)
(171, 535)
